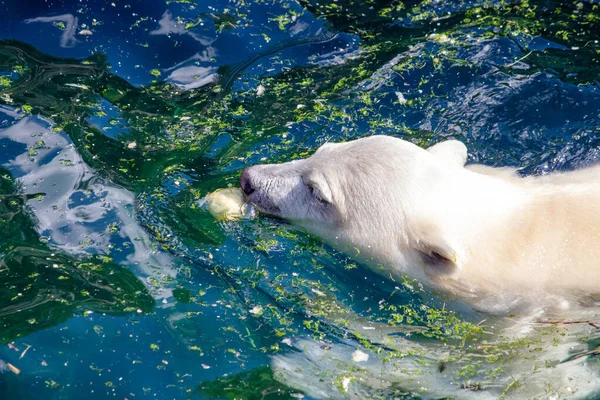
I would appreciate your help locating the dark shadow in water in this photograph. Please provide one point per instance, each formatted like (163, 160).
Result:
(257, 384)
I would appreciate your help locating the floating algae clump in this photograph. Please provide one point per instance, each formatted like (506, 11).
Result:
(228, 204)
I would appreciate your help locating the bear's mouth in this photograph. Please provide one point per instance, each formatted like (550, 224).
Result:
(269, 209)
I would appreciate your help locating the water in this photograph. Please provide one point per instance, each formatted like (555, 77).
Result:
(118, 118)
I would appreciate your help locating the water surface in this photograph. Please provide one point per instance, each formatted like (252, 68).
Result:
(118, 118)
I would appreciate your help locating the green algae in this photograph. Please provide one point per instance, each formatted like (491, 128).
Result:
(256, 384)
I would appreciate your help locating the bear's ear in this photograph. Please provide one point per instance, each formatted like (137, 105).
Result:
(438, 254)
(450, 151)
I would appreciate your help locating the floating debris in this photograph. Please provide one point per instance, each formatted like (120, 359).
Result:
(256, 310)
(77, 86)
(14, 369)
(24, 352)
(440, 38)
(229, 204)
(359, 356)
(4, 366)
(345, 383)
(401, 99)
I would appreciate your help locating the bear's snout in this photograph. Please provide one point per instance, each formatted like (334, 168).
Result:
(253, 183)
(246, 182)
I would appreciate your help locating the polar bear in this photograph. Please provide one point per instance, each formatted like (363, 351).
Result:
(404, 210)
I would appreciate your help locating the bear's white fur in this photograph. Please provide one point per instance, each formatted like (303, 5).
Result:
(468, 230)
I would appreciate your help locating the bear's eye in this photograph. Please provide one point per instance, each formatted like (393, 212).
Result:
(319, 189)
(316, 193)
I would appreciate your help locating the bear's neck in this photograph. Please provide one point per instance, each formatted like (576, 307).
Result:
(528, 233)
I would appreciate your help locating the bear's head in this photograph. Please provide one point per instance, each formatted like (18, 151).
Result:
(366, 197)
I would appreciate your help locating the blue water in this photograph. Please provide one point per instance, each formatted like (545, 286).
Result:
(118, 118)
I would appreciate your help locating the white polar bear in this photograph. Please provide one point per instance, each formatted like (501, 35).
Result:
(471, 231)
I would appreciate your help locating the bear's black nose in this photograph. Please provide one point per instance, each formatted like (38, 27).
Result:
(245, 182)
